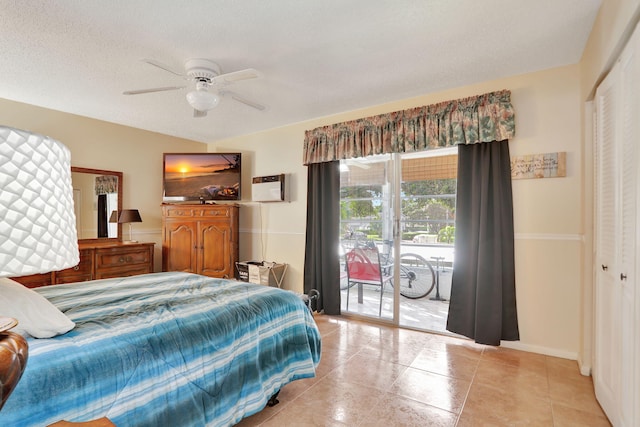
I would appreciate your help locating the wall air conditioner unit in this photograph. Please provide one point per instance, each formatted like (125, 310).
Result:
(270, 188)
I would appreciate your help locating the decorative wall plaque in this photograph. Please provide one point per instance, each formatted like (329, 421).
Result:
(548, 165)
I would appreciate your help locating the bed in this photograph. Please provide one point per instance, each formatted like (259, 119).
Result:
(165, 349)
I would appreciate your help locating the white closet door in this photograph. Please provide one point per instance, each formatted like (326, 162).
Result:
(616, 373)
(626, 276)
(606, 375)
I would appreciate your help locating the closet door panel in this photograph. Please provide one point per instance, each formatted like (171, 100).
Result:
(607, 339)
(627, 278)
(616, 374)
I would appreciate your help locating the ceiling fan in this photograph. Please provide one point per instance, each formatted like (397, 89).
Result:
(206, 75)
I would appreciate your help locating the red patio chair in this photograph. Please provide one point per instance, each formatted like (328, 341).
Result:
(363, 268)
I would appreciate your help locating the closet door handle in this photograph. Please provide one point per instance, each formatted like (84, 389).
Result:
(623, 276)
(604, 267)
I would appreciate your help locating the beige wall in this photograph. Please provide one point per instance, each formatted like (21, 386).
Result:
(547, 212)
(100, 145)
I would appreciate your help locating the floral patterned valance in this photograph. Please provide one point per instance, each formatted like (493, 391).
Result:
(482, 118)
(106, 184)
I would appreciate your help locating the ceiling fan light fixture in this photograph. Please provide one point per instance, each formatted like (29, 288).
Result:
(202, 100)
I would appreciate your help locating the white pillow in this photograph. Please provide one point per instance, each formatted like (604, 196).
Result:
(36, 315)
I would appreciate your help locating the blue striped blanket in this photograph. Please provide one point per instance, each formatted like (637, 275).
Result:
(165, 349)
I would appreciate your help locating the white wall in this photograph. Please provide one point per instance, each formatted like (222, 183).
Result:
(547, 211)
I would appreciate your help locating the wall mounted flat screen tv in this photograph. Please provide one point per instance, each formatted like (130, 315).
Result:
(201, 176)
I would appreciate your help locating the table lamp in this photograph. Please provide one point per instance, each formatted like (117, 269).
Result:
(114, 216)
(128, 216)
(37, 224)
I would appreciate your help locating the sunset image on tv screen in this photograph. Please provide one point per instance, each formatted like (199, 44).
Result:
(210, 176)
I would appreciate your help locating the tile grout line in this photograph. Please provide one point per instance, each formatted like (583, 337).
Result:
(473, 378)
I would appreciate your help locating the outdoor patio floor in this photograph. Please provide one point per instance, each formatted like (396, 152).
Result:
(423, 314)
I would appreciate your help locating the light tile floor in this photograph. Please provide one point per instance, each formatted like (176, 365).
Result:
(423, 313)
(377, 375)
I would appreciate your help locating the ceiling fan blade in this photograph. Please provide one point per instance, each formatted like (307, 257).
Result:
(155, 89)
(163, 67)
(198, 113)
(241, 99)
(235, 76)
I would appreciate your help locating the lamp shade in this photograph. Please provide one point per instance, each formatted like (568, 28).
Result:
(37, 221)
(114, 216)
(202, 100)
(129, 215)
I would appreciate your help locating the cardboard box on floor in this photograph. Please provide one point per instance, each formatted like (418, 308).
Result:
(261, 272)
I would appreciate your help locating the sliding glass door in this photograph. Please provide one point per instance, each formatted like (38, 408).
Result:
(427, 231)
(366, 204)
(400, 205)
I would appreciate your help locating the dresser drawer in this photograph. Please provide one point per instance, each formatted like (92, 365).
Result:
(79, 273)
(198, 211)
(132, 270)
(123, 256)
(34, 280)
(69, 277)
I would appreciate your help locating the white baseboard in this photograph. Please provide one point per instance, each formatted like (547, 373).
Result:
(585, 368)
(517, 345)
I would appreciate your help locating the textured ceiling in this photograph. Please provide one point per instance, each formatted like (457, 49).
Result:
(317, 57)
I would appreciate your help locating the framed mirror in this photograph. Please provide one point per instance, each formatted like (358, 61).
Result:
(97, 197)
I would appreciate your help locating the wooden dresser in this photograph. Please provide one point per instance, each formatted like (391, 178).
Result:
(99, 260)
(201, 239)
